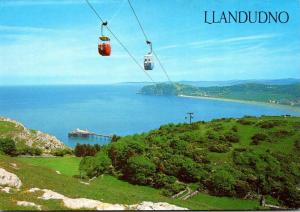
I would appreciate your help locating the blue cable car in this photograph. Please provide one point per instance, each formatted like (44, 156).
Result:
(148, 59)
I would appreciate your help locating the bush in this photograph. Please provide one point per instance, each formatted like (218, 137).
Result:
(139, 170)
(232, 137)
(161, 180)
(297, 144)
(221, 148)
(62, 152)
(258, 138)
(8, 146)
(95, 166)
(200, 156)
(172, 189)
(242, 188)
(234, 128)
(268, 124)
(115, 138)
(222, 182)
(82, 150)
(33, 151)
(282, 133)
(245, 122)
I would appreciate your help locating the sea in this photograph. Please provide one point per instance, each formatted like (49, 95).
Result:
(113, 109)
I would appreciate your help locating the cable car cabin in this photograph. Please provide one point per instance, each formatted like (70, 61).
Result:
(148, 62)
(104, 47)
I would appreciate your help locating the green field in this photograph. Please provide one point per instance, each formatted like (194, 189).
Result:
(65, 165)
(40, 172)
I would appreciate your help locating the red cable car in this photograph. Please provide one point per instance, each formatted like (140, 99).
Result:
(104, 47)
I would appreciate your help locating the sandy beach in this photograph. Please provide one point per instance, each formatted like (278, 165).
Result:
(242, 101)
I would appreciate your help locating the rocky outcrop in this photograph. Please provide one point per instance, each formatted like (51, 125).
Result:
(28, 204)
(80, 203)
(156, 206)
(32, 138)
(9, 179)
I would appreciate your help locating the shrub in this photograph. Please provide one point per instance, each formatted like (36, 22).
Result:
(297, 144)
(161, 180)
(139, 170)
(234, 128)
(200, 156)
(29, 151)
(212, 136)
(82, 150)
(222, 182)
(221, 148)
(95, 166)
(268, 124)
(232, 137)
(258, 138)
(242, 188)
(282, 133)
(115, 138)
(245, 122)
(62, 152)
(172, 189)
(8, 146)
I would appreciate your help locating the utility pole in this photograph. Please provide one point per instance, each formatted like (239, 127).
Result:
(190, 116)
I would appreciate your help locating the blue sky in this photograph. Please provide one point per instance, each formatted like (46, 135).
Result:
(55, 41)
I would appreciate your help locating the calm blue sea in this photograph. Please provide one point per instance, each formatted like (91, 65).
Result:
(112, 109)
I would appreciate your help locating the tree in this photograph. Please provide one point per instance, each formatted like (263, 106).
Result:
(8, 146)
(82, 150)
(140, 170)
(222, 182)
(95, 166)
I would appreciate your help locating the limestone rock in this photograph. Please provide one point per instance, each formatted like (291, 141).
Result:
(9, 179)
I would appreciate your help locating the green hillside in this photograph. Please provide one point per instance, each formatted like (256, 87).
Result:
(224, 164)
(277, 94)
(40, 172)
(239, 158)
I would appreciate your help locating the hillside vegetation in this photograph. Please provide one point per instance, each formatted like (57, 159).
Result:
(276, 94)
(41, 173)
(241, 158)
(16, 139)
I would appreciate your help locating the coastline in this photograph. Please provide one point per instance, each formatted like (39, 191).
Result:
(241, 101)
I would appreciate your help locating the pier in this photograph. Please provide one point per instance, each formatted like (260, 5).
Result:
(86, 134)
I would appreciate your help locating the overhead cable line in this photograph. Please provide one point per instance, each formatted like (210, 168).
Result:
(147, 40)
(119, 41)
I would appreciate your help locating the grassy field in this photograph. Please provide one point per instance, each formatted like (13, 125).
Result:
(65, 165)
(40, 172)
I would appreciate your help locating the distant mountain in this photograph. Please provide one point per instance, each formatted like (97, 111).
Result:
(203, 83)
(287, 94)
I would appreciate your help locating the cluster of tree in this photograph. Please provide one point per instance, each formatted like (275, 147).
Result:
(8, 146)
(82, 150)
(62, 152)
(175, 155)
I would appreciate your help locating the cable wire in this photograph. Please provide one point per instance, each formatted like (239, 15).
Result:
(119, 41)
(146, 37)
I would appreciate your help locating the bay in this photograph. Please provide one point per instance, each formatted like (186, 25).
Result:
(113, 109)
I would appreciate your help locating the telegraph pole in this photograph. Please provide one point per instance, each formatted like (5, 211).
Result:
(190, 116)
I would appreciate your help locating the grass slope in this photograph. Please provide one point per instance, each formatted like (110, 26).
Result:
(40, 172)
